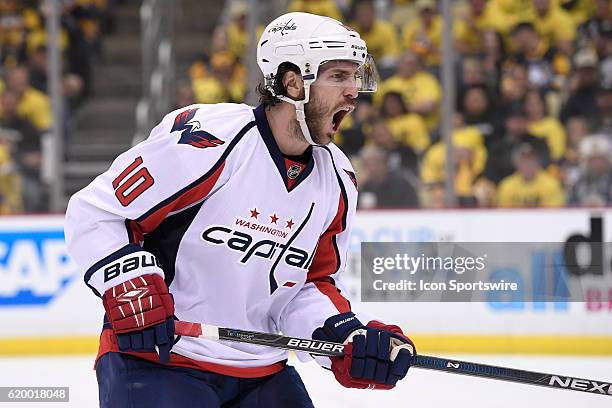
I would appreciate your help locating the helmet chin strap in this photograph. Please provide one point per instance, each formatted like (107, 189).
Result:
(299, 111)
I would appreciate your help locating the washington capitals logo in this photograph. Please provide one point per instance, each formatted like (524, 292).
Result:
(282, 27)
(191, 133)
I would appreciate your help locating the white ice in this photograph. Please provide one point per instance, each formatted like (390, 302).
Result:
(421, 389)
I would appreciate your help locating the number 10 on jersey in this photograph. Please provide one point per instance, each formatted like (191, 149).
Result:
(127, 190)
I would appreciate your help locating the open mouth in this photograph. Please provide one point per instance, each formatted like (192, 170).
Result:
(339, 115)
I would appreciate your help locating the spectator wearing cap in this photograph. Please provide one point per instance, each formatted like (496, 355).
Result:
(594, 185)
(381, 187)
(500, 164)
(541, 124)
(530, 185)
(583, 86)
(420, 90)
(380, 35)
(423, 35)
(407, 128)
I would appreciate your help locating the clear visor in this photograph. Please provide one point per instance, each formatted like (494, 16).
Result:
(341, 73)
(367, 76)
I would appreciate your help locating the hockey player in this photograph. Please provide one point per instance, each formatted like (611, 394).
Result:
(237, 217)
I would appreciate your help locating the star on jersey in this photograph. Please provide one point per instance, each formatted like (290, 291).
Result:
(289, 223)
(273, 218)
(254, 213)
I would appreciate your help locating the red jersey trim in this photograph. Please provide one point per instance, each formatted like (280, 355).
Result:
(193, 195)
(326, 261)
(333, 293)
(108, 344)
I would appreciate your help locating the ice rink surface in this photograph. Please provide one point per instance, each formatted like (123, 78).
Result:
(421, 389)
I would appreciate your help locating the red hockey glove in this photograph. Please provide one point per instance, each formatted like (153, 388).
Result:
(375, 357)
(141, 311)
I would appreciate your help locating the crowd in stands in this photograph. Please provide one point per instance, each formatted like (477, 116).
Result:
(533, 121)
(25, 108)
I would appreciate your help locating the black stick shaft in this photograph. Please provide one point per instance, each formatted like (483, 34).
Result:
(512, 375)
(331, 349)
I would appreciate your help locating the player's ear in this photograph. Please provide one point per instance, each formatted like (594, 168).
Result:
(293, 83)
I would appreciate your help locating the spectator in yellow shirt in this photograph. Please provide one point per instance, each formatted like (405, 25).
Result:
(513, 11)
(33, 104)
(219, 42)
(420, 90)
(10, 183)
(579, 10)
(529, 186)
(237, 31)
(555, 25)
(470, 157)
(423, 35)
(380, 35)
(226, 84)
(470, 24)
(407, 128)
(321, 7)
(544, 126)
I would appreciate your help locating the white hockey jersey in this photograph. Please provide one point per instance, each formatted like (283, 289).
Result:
(244, 237)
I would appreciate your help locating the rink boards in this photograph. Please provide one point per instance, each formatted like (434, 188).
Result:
(45, 308)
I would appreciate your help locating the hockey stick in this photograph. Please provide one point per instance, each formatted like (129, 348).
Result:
(330, 349)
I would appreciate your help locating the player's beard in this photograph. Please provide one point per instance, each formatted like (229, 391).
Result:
(316, 112)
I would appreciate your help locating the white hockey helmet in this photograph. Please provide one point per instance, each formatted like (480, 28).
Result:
(308, 40)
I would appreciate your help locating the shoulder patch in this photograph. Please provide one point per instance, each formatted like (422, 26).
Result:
(191, 131)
